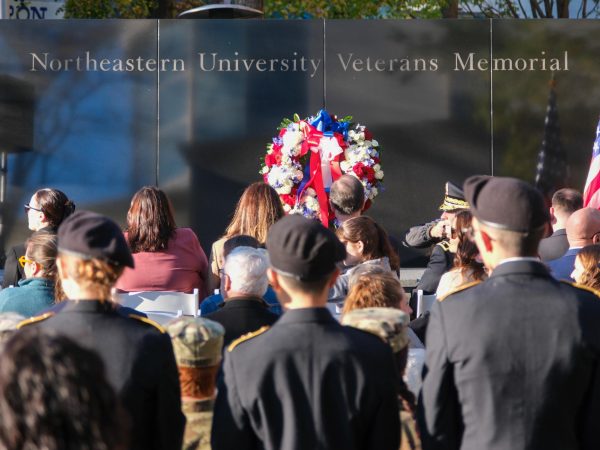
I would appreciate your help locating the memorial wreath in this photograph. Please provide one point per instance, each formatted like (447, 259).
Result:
(308, 155)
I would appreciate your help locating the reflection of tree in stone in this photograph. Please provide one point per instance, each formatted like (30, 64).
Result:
(520, 98)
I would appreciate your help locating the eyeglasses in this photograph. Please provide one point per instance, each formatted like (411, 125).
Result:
(23, 260)
(28, 207)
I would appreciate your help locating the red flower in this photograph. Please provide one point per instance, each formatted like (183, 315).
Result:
(363, 172)
(289, 199)
(274, 158)
(368, 135)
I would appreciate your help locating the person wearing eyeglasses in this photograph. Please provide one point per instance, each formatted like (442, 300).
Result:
(583, 228)
(45, 211)
(36, 290)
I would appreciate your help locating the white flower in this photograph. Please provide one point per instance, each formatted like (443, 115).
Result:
(291, 139)
(374, 143)
(287, 208)
(377, 167)
(379, 174)
(264, 170)
(345, 166)
(373, 193)
(285, 189)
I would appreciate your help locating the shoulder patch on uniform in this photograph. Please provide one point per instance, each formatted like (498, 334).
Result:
(34, 319)
(581, 286)
(148, 321)
(445, 245)
(246, 337)
(462, 287)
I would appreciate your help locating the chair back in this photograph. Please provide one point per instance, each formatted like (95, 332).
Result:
(424, 302)
(162, 302)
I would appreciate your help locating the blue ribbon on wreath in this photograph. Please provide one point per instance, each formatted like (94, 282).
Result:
(325, 123)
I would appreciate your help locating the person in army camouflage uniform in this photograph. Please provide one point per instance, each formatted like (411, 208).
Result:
(391, 324)
(197, 343)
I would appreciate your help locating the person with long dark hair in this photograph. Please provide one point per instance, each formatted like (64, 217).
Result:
(45, 211)
(467, 265)
(166, 258)
(55, 395)
(366, 244)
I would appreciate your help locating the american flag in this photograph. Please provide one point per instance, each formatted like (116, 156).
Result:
(591, 193)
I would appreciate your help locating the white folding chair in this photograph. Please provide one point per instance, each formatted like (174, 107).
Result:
(160, 302)
(424, 302)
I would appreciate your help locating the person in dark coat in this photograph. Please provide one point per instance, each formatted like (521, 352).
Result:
(137, 353)
(307, 382)
(564, 203)
(243, 283)
(512, 362)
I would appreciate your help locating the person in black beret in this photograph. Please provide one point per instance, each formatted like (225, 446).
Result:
(137, 353)
(306, 382)
(512, 362)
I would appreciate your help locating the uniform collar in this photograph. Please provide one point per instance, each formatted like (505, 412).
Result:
(89, 306)
(244, 302)
(520, 266)
(191, 406)
(321, 315)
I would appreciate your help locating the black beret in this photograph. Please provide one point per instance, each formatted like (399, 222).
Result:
(506, 203)
(89, 235)
(303, 248)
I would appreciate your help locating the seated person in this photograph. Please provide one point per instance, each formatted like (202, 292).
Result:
(36, 291)
(212, 302)
(166, 258)
(197, 344)
(366, 244)
(244, 282)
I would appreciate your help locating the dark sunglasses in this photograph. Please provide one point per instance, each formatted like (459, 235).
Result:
(28, 207)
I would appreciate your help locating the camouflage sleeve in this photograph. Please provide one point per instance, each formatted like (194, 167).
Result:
(418, 236)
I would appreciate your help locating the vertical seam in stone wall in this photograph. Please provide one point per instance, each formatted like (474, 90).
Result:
(157, 154)
(324, 64)
(491, 97)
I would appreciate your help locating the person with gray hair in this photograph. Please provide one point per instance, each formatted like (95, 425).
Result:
(347, 198)
(243, 284)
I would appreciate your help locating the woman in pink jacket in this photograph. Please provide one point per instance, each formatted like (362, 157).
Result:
(166, 258)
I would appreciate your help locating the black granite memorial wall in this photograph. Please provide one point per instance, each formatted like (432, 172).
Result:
(190, 105)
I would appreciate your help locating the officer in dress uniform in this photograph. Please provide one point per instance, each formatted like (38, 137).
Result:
(436, 234)
(513, 361)
(198, 344)
(306, 382)
(137, 353)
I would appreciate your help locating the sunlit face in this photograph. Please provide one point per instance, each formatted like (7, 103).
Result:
(404, 302)
(353, 252)
(35, 217)
(448, 215)
(578, 271)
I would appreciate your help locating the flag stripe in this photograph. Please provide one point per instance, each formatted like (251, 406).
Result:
(591, 192)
